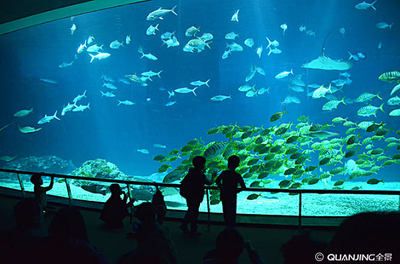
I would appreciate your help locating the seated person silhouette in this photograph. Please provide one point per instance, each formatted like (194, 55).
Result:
(40, 191)
(116, 208)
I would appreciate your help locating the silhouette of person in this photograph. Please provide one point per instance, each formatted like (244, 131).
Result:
(228, 181)
(40, 191)
(229, 246)
(159, 205)
(153, 244)
(193, 183)
(115, 209)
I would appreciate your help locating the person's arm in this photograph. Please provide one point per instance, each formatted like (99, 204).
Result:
(218, 181)
(241, 183)
(48, 188)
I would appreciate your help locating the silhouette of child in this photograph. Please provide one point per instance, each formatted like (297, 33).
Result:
(115, 209)
(193, 183)
(40, 191)
(228, 181)
(159, 205)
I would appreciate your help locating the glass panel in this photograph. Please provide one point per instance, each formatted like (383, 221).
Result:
(306, 95)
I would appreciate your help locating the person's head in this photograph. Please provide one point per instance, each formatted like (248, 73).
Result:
(68, 224)
(27, 213)
(230, 244)
(300, 249)
(146, 213)
(36, 179)
(199, 162)
(233, 162)
(115, 189)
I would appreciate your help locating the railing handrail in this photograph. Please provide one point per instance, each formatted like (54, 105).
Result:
(160, 184)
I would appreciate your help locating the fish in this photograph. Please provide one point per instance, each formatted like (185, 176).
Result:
(342, 31)
(251, 93)
(353, 56)
(249, 42)
(272, 43)
(81, 108)
(48, 119)
(94, 48)
(159, 146)
(110, 86)
(231, 36)
(4, 127)
(192, 31)
(302, 28)
(90, 40)
(364, 5)
(395, 89)
(172, 42)
(260, 71)
(235, 47)
(392, 76)
(200, 83)
(116, 44)
(107, 94)
(170, 103)
(170, 94)
(384, 25)
(332, 105)
(259, 51)
(125, 102)
(369, 110)
(185, 90)
(276, 116)
(152, 74)
(207, 37)
(274, 51)
(245, 88)
(81, 48)
(7, 158)
(49, 81)
(235, 16)
(365, 97)
(160, 13)
(67, 108)
(321, 92)
(128, 39)
(251, 74)
(151, 30)
(394, 101)
(395, 112)
(24, 112)
(291, 100)
(284, 27)
(95, 188)
(167, 35)
(310, 33)
(360, 55)
(147, 56)
(65, 64)
(99, 56)
(143, 151)
(73, 29)
(226, 54)
(220, 98)
(262, 91)
(283, 74)
(28, 129)
(79, 97)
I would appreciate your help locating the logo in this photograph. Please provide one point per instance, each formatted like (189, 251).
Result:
(319, 256)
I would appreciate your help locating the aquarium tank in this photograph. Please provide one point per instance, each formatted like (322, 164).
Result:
(306, 93)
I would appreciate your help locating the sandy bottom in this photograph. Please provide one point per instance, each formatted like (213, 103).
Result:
(267, 203)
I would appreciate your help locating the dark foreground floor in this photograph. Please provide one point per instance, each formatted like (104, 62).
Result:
(267, 241)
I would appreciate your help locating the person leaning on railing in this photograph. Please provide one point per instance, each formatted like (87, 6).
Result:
(40, 191)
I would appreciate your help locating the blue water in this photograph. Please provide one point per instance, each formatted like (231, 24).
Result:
(116, 132)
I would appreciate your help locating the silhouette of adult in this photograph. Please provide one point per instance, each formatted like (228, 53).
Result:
(153, 245)
(40, 191)
(229, 246)
(27, 237)
(228, 182)
(116, 208)
(192, 189)
(68, 240)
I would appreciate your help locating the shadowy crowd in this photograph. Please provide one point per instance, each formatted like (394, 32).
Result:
(66, 239)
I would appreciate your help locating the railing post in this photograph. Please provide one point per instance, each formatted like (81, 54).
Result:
(68, 191)
(128, 187)
(21, 185)
(208, 209)
(300, 207)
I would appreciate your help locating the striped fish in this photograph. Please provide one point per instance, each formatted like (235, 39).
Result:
(214, 149)
(392, 76)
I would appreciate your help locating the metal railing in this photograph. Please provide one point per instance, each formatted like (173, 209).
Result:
(128, 184)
